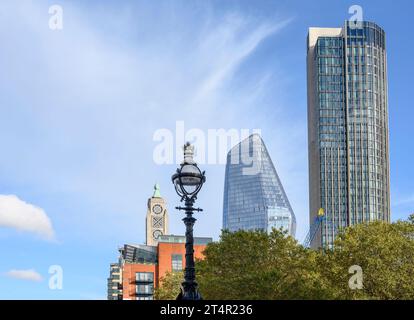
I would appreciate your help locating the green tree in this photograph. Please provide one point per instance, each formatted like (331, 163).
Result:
(169, 286)
(255, 265)
(384, 252)
(411, 218)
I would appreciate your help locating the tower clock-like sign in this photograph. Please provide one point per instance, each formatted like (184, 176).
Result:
(157, 209)
(157, 217)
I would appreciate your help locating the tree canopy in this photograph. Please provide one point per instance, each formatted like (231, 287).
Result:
(257, 265)
(169, 286)
(385, 254)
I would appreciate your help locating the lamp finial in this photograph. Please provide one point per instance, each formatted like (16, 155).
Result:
(188, 153)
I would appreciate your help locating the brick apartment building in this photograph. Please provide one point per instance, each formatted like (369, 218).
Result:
(140, 267)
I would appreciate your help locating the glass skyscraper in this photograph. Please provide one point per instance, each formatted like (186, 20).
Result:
(253, 194)
(347, 127)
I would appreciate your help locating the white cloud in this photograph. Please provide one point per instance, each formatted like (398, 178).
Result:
(30, 275)
(20, 215)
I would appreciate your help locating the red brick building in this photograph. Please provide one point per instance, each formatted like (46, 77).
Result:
(142, 266)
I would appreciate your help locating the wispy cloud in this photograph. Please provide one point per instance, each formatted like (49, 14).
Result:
(20, 215)
(29, 275)
(108, 91)
(229, 44)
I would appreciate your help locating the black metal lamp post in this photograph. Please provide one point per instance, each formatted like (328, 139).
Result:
(188, 181)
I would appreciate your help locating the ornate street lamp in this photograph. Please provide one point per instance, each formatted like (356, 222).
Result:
(188, 181)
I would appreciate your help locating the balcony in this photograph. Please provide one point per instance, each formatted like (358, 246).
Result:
(142, 281)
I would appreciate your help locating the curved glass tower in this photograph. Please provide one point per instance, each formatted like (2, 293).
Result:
(254, 197)
(348, 127)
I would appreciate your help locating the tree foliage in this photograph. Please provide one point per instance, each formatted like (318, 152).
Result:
(385, 253)
(169, 286)
(256, 265)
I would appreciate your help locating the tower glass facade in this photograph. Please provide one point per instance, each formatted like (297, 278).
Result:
(348, 127)
(254, 197)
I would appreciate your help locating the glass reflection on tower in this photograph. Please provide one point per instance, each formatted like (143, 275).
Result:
(254, 197)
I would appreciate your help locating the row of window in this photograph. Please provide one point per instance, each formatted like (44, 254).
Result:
(325, 61)
(329, 51)
(372, 36)
(362, 59)
(329, 42)
(329, 86)
(333, 70)
(333, 96)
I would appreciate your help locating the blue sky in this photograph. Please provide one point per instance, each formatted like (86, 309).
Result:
(79, 107)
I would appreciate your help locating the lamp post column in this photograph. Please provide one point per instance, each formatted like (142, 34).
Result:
(189, 286)
(188, 181)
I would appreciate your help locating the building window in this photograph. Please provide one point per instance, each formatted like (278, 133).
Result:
(177, 262)
(144, 277)
(144, 288)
